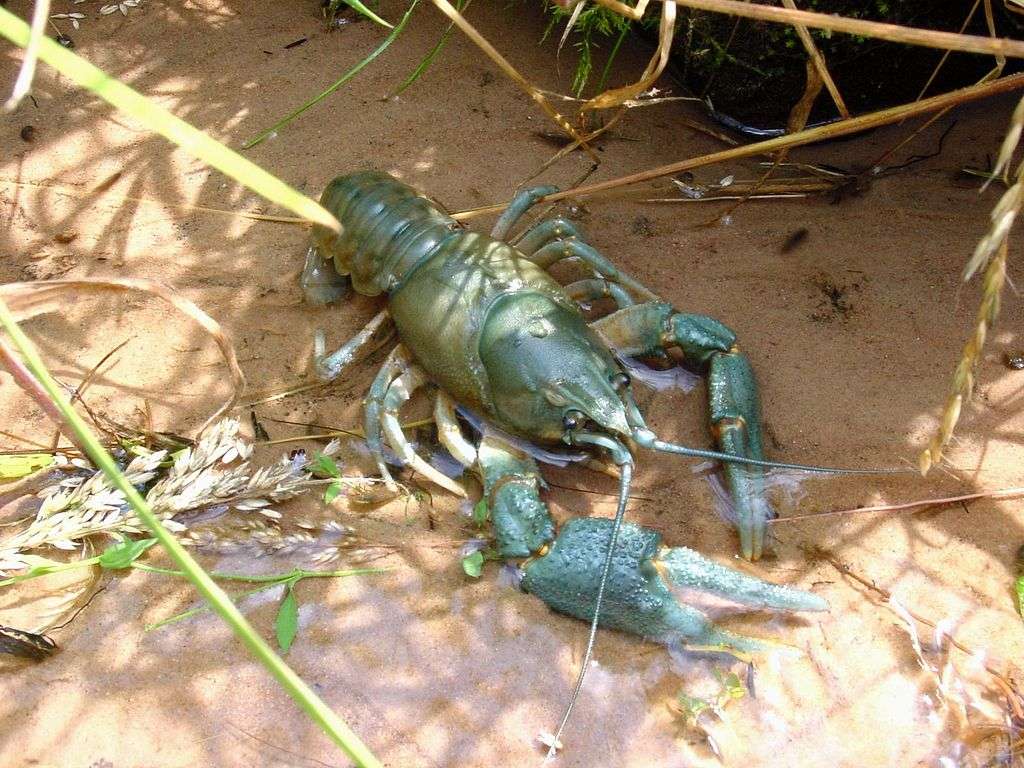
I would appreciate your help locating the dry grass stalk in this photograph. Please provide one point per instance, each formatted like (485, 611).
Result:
(631, 13)
(894, 33)
(808, 136)
(963, 379)
(922, 505)
(27, 300)
(945, 56)
(819, 63)
(991, 250)
(528, 88)
(618, 96)
(214, 473)
(23, 85)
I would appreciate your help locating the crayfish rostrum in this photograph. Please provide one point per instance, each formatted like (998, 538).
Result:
(482, 323)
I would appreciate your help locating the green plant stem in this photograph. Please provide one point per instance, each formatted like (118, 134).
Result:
(306, 698)
(296, 574)
(58, 568)
(611, 58)
(196, 611)
(158, 119)
(337, 84)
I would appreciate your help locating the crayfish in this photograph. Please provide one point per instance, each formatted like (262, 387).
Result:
(482, 322)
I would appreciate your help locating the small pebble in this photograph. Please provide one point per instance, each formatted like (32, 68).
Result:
(28, 133)
(66, 236)
(1014, 360)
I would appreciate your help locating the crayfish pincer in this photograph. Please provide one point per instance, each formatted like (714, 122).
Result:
(483, 325)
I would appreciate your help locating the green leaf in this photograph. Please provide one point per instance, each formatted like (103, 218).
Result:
(18, 465)
(473, 564)
(324, 466)
(355, 5)
(124, 553)
(480, 512)
(332, 492)
(287, 622)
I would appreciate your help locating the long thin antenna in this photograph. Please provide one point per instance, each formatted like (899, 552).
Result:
(623, 458)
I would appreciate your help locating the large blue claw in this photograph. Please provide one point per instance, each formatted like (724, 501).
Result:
(638, 598)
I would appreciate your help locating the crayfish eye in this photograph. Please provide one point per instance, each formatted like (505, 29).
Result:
(620, 381)
(573, 420)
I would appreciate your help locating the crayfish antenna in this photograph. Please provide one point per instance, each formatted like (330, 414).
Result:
(624, 460)
(647, 439)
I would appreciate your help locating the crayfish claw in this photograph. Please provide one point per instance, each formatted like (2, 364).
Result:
(638, 596)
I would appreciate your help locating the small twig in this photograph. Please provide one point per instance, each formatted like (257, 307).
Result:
(895, 33)
(819, 63)
(807, 136)
(1000, 494)
(512, 73)
(945, 56)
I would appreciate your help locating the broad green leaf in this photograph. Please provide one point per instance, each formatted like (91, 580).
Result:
(18, 465)
(124, 553)
(158, 119)
(473, 564)
(287, 622)
(324, 466)
(480, 512)
(332, 492)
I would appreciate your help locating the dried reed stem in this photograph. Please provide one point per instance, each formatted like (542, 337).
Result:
(634, 14)
(819, 62)
(894, 33)
(618, 96)
(809, 136)
(528, 88)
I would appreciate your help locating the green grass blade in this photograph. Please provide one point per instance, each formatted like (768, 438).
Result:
(335, 86)
(424, 65)
(158, 119)
(358, 7)
(314, 707)
(611, 58)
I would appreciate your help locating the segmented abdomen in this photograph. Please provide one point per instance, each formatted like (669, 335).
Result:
(388, 228)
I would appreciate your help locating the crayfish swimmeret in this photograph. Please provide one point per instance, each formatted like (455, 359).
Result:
(483, 322)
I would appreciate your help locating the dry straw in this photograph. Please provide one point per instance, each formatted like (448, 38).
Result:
(992, 251)
(214, 473)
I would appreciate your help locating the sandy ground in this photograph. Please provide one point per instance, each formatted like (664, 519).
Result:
(854, 335)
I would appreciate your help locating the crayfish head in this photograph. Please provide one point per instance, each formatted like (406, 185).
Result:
(548, 373)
